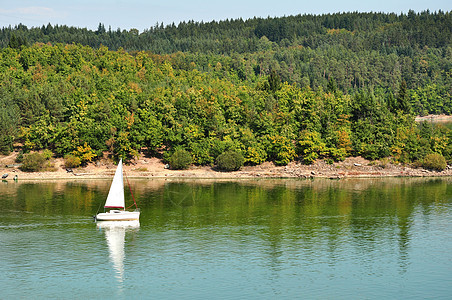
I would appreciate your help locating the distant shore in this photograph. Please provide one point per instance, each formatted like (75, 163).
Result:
(148, 168)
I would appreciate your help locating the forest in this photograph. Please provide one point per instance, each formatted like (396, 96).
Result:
(278, 89)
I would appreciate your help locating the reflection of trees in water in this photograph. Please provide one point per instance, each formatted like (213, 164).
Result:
(55, 197)
(288, 213)
(308, 214)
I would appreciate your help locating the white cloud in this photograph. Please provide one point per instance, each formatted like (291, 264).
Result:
(37, 11)
(31, 15)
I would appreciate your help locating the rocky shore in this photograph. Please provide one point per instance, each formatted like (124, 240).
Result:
(354, 167)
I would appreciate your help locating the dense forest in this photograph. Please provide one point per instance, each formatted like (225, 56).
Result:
(275, 89)
(358, 50)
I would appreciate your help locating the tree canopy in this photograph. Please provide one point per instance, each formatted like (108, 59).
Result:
(275, 89)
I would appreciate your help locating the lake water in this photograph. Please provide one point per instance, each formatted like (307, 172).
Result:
(248, 239)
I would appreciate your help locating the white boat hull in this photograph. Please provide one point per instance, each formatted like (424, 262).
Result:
(113, 225)
(118, 215)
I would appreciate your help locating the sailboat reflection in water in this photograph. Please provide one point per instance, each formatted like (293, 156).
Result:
(115, 232)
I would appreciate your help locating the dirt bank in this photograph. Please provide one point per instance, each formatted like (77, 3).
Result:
(154, 168)
(435, 118)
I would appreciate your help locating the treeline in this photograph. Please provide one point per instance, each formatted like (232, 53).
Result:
(356, 31)
(357, 50)
(82, 102)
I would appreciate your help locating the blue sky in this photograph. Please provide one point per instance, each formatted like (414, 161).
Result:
(142, 14)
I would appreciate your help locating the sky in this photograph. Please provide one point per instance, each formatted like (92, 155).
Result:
(143, 14)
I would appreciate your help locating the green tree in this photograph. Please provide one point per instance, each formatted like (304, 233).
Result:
(281, 150)
(9, 122)
(310, 146)
(402, 98)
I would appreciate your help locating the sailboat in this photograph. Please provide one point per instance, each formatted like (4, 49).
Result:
(115, 201)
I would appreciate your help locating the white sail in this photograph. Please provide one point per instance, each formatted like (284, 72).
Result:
(115, 197)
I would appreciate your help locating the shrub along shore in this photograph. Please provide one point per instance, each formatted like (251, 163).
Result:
(149, 168)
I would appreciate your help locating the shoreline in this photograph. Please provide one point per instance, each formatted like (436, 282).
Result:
(149, 168)
(434, 118)
(153, 168)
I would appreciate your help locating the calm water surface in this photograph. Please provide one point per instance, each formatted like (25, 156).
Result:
(266, 239)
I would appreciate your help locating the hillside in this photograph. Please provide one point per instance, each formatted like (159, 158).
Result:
(284, 100)
(357, 50)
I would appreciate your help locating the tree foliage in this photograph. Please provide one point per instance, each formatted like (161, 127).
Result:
(283, 89)
(349, 50)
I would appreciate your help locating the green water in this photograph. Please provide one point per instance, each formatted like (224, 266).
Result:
(203, 239)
